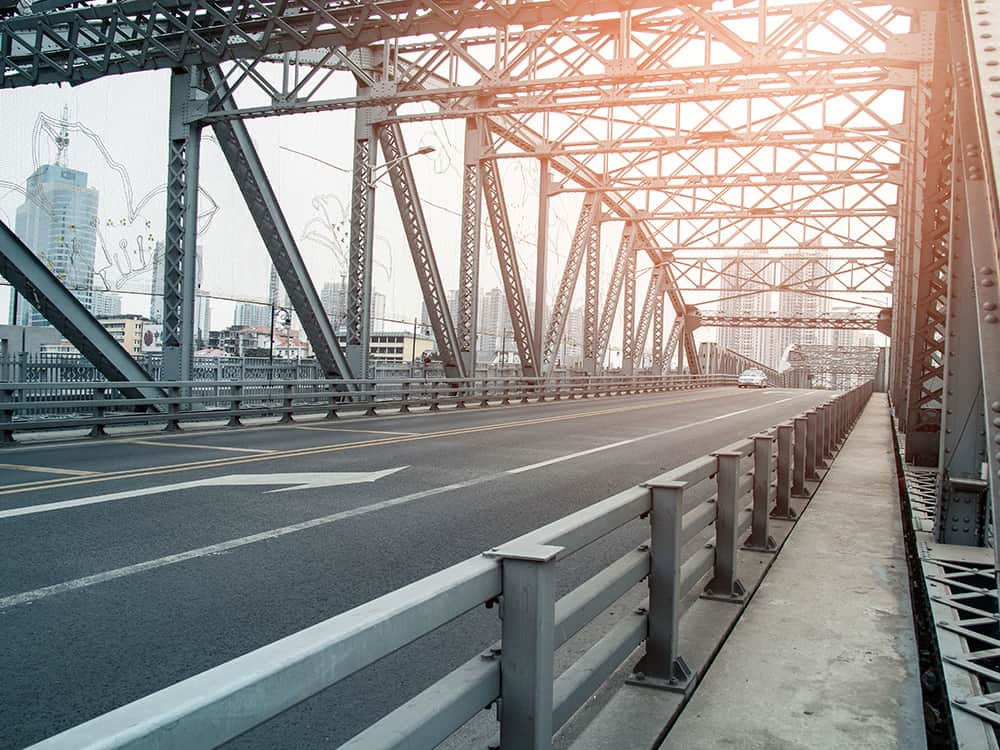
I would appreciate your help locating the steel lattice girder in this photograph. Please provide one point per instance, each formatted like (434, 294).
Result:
(835, 360)
(510, 274)
(858, 322)
(624, 264)
(419, 241)
(567, 284)
(238, 148)
(468, 270)
(30, 278)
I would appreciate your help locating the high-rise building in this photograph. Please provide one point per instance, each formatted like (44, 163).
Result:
(378, 312)
(801, 272)
(252, 315)
(276, 293)
(202, 318)
(107, 304)
(333, 297)
(156, 285)
(747, 292)
(58, 222)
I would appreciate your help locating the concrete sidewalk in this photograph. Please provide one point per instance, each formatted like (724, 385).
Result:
(824, 655)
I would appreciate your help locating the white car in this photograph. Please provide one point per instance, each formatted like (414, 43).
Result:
(752, 379)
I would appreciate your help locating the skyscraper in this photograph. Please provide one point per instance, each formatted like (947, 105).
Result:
(58, 222)
(746, 291)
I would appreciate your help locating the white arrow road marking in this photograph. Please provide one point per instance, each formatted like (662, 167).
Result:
(298, 482)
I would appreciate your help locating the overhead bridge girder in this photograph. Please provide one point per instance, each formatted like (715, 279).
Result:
(36, 283)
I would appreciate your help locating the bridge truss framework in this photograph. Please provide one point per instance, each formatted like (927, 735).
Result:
(856, 141)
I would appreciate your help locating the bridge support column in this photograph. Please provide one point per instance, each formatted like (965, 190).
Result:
(760, 539)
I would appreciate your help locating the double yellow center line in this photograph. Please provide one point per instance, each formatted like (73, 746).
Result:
(48, 484)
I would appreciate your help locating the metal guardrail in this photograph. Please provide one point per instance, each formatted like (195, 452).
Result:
(722, 496)
(27, 407)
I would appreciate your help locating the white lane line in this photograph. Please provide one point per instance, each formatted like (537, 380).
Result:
(629, 441)
(215, 549)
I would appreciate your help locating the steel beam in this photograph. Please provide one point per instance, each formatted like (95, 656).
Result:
(658, 335)
(30, 278)
(567, 284)
(649, 303)
(510, 274)
(360, 250)
(626, 251)
(245, 164)
(468, 270)
(541, 253)
(419, 241)
(592, 291)
(628, 314)
(180, 241)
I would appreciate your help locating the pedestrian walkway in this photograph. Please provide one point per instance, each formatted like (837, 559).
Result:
(824, 655)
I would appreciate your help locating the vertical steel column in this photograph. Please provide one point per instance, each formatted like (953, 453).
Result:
(800, 451)
(180, 241)
(658, 334)
(468, 270)
(782, 506)
(592, 289)
(978, 131)
(760, 539)
(528, 645)
(628, 316)
(725, 585)
(541, 254)
(359, 275)
(662, 665)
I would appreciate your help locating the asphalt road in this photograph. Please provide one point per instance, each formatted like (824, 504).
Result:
(129, 564)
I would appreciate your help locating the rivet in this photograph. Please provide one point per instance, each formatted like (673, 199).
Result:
(988, 282)
(990, 306)
(991, 318)
(986, 271)
(995, 405)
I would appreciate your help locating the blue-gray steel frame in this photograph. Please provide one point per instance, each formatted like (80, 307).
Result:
(38, 285)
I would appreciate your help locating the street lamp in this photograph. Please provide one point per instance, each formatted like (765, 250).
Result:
(373, 182)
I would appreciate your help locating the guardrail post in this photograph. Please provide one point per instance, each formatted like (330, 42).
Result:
(486, 391)
(7, 416)
(460, 395)
(235, 404)
(100, 412)
(370, 398)
(173, 409)
(505, 401)
(812, 433)
(331, 412)
(435, 397)
(827, 435)
(724, 584)
(286, 405)
(662, 667)
(782, 503)
(800, 453)
(404, 397)
(759, 538)
(527, 644)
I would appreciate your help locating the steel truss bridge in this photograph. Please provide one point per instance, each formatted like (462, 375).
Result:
(839, 149)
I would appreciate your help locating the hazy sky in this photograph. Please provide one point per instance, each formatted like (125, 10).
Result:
(119, 138)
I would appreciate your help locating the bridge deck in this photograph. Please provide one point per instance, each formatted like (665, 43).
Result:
(824, 655)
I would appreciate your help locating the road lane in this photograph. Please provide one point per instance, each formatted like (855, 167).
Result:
(84, 651)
